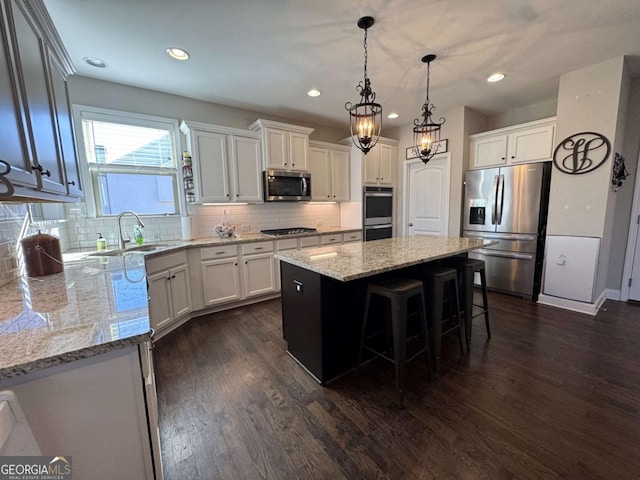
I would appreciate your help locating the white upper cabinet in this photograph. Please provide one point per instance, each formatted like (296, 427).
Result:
(525, 143)
(226, 163)
(330, 172)
(246, 153)
(380, 162)
(285, 146)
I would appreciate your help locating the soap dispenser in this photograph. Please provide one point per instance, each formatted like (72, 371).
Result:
(101, 243)
(137, 235)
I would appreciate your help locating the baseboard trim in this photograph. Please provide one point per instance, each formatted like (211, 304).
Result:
(580, 307)
(613, 294)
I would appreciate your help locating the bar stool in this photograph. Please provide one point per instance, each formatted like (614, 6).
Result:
(466, 268)
(436, 280)
(398, 291)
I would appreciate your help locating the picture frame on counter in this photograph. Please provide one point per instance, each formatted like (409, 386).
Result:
(443, 147)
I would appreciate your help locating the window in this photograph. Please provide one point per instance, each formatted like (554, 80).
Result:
(131, 162)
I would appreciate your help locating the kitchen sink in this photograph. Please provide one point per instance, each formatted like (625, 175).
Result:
(137, 249)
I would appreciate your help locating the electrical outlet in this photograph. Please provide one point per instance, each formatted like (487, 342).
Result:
(245, 228)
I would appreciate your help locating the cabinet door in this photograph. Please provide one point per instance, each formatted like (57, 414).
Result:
(259, 274)
(13, 143)
(159, 300)
(488, 151)
(386, 163)
(299, 151)
(531, 145)
(180, 291)
(371, 161)
(340, 182)
(210, 167)
(320, 169)
(276, 149)
(65, 129)
(220, 281)
(30, 55)
(247, 168)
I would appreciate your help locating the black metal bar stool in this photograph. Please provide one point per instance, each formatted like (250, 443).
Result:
(467, 268)
(398, 291)
(441, 322)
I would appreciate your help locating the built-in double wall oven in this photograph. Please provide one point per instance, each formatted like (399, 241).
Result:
(377, 213)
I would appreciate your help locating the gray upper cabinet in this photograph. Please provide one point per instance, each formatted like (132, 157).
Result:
(40, 144)
(64, 121)
(13, 147)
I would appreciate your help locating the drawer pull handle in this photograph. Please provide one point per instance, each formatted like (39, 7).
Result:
(258, 248)
(219, 253)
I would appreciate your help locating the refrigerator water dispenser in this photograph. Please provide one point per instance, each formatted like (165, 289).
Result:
(476, 215)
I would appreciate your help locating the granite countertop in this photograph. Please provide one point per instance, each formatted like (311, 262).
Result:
(93, 306)
(359, 260)
(97, 304)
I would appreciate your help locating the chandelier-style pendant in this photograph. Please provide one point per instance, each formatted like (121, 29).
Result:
(365, 118)
(426, 132)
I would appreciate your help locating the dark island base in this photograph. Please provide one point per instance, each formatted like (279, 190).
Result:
(322, 318)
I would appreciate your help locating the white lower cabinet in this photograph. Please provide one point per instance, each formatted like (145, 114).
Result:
(220, 281)
(352, 237)
(258, 274)
(169, 289)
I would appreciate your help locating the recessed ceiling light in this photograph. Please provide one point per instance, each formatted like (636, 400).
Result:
(178, 53)
(95, 62)
(393, 115)
(314, 92)
(496, 77)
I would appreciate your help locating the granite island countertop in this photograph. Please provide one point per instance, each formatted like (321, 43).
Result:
(359, 260)
(97, 304)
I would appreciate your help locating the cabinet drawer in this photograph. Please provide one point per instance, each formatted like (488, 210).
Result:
(353, 237)
(329, 239)
(164, 262)
(309, 242)
(257, 247)
(287, 244)
(221, 251)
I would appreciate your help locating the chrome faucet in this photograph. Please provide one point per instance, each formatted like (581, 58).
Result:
(121, 241)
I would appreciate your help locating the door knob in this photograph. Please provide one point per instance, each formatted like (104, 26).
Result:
(411, 224)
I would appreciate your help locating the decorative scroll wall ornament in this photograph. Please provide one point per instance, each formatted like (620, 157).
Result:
(620, 172)
(5, 169)
(581, 153)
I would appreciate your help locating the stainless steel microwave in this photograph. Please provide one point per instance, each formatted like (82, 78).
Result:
(286, 186)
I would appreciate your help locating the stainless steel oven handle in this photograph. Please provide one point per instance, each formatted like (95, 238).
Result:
(377, 227)
(495, 253)
(303, 183)
(378, 194)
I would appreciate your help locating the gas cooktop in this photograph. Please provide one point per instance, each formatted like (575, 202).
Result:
(289, 231)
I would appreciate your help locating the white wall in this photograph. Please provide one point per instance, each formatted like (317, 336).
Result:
(528, 113)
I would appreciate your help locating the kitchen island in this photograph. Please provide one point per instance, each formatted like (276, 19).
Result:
(323, 293)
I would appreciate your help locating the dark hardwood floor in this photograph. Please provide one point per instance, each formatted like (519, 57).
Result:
(554, 394)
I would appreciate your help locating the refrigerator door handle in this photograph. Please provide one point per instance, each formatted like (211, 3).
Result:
(494, 253)
(501, 236)
(500, 199)
(495, 200)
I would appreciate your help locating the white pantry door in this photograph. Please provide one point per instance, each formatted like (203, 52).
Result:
(428, 197)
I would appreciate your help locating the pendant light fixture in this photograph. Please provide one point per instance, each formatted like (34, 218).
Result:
(365, 118)
(426, 132)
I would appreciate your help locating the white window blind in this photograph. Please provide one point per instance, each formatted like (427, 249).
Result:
(132, 162)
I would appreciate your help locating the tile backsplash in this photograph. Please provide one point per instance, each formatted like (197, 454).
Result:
(78, 230)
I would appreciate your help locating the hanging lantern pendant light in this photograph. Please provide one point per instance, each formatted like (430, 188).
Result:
(365, 118)
(426, 132)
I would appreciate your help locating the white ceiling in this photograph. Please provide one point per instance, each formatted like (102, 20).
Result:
(265, 54)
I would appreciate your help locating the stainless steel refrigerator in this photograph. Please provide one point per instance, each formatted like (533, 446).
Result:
(509, 205)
